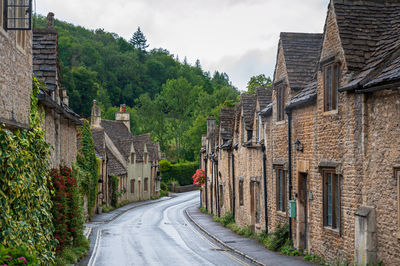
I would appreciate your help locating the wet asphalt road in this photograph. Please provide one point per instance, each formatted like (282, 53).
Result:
(157, 234)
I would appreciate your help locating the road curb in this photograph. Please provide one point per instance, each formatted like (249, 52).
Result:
(222, 242)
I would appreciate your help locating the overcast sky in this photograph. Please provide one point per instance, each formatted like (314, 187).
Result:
(238, 37)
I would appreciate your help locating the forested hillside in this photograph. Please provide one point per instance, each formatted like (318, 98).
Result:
(166, 97)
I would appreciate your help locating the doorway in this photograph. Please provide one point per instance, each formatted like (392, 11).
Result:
(302, 211)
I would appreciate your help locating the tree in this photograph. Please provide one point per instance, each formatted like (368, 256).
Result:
(139, 41)
(258, 81)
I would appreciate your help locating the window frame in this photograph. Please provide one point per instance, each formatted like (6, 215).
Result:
(281, 189)
(133, 155)
(146, 184)
(331, 85)
(241, 196)
(132, 186)
(335, 194)
(397, 176)
(280, 103)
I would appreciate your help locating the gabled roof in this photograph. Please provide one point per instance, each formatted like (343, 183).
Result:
(45, 57)
(138, 143)
(226, 122)
(119, 134)
(301, 52)
(264, 96)
(248, 103)
(370, 36)
(305, 97)
(114, 165)
(99, 141)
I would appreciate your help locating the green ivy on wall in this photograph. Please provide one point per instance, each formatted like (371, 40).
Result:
(25, 201)
(113, 181)
(86, 160)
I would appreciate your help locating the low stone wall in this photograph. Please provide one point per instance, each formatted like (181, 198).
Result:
(176, 189)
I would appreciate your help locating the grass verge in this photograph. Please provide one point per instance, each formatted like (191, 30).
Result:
(72, 254)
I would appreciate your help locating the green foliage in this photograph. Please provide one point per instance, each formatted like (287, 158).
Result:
(258, 81)
(25, 201)
(106, 209)
(181, 172)
(113, 181)
(289, 250)
(163, 193)
(203, 210)
(278, 238)
(17, 256)
(87, 163)
(167, 98)
(314, 259)
(165, 166)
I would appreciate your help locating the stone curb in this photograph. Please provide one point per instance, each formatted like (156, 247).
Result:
(222, 242)
(124, 211)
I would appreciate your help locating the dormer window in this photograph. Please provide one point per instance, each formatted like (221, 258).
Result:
(145, 158)
(331, 84)
(132, 158)
(280, 103)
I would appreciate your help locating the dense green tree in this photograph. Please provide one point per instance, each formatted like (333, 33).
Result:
(258, 81)
(138, 40)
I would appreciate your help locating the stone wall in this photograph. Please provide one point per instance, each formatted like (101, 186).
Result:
(15, 79)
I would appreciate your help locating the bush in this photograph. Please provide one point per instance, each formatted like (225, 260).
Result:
(182, 172)
(203, 210)
(17, 256)
(107, 209)
(227, 219)
(164, 193)
(278, 238)
(113, 181)
(289, 250)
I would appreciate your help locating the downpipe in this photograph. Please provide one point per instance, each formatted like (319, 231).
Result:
(264, 159)
(289, 114)
(205, 190)
(233, 186)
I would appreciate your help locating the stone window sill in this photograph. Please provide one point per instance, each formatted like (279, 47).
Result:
(281, 213)
(331, 230)
(330, 113)
(282, 122)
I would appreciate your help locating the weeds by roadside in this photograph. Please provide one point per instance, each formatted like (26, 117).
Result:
(72, 254)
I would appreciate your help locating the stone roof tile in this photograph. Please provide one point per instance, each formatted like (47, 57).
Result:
(248, 103)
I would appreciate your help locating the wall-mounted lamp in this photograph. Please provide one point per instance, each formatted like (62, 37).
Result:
(299, 146)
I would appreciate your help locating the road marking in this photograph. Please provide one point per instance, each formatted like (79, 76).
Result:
(93, 258)
(226, 253)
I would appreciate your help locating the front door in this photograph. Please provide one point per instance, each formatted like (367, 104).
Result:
(302, 217)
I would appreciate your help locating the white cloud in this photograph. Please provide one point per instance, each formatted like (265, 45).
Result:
(238, 37)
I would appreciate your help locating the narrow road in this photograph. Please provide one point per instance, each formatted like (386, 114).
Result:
(157, 234)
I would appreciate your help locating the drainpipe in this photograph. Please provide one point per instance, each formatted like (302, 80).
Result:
(264, 159)
(289, 114)
(218, 188)
(201, 192)
(206, 183)
(212, 184)
(233, 186)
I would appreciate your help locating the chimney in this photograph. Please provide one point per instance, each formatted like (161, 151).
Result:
(95, 118)
(123, 116)
(50, 21)
(211, 130)
(64, 97)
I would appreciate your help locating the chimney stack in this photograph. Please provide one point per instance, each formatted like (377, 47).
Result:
(95, 119)
(123, 116)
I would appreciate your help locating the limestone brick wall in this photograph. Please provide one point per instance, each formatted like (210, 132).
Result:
(68, 142)
(225, 168)
(380, 188)
(15, 77)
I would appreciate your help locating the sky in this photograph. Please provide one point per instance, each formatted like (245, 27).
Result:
(239, 37)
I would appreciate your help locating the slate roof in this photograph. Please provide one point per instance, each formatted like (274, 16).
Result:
(264, 96)
(305, 97)
(267, 111)
(119, 134)
(370, 35)
(114, 166)
(227, 122)
(301, 52)
(45, 57)
(138, 143)
(248, 103)
(99, 141)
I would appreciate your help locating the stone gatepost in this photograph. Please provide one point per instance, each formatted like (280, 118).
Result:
(365, 240)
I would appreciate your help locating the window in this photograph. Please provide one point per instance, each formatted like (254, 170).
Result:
(280, 103)
(331, 194)
(397, 176)
(146, 184)
(145, 158)
(241, 181)
(221, 195)
(18, 14)
(133, 186)
(331, 83)
(280, 189)
(132, 158)
(249, 135)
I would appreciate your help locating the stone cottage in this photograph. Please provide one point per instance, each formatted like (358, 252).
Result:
(15, 75)
(61, 122)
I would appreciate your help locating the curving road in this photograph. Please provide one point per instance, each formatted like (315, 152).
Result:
(157, 234)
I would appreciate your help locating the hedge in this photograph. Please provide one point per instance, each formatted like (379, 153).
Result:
(181, 172)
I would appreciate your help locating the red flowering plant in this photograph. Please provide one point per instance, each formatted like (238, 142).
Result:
(199, 178)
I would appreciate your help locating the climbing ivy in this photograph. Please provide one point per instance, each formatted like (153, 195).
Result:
(113, 180)
(25, 202)
(86, 160)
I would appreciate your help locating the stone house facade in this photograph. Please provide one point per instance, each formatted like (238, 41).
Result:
(60, 121)
(330, 138)
(133, 159)
(15, 75)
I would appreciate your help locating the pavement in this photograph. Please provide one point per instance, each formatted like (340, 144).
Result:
(243, 246)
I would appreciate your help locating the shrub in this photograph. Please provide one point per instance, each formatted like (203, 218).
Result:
(17, 256)
(107, 209)
(227, 219)
(203, 210)
(113, 181)
(288, 249)
(24, 195)
(182, 172)
(278, 238)
(165, 166)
